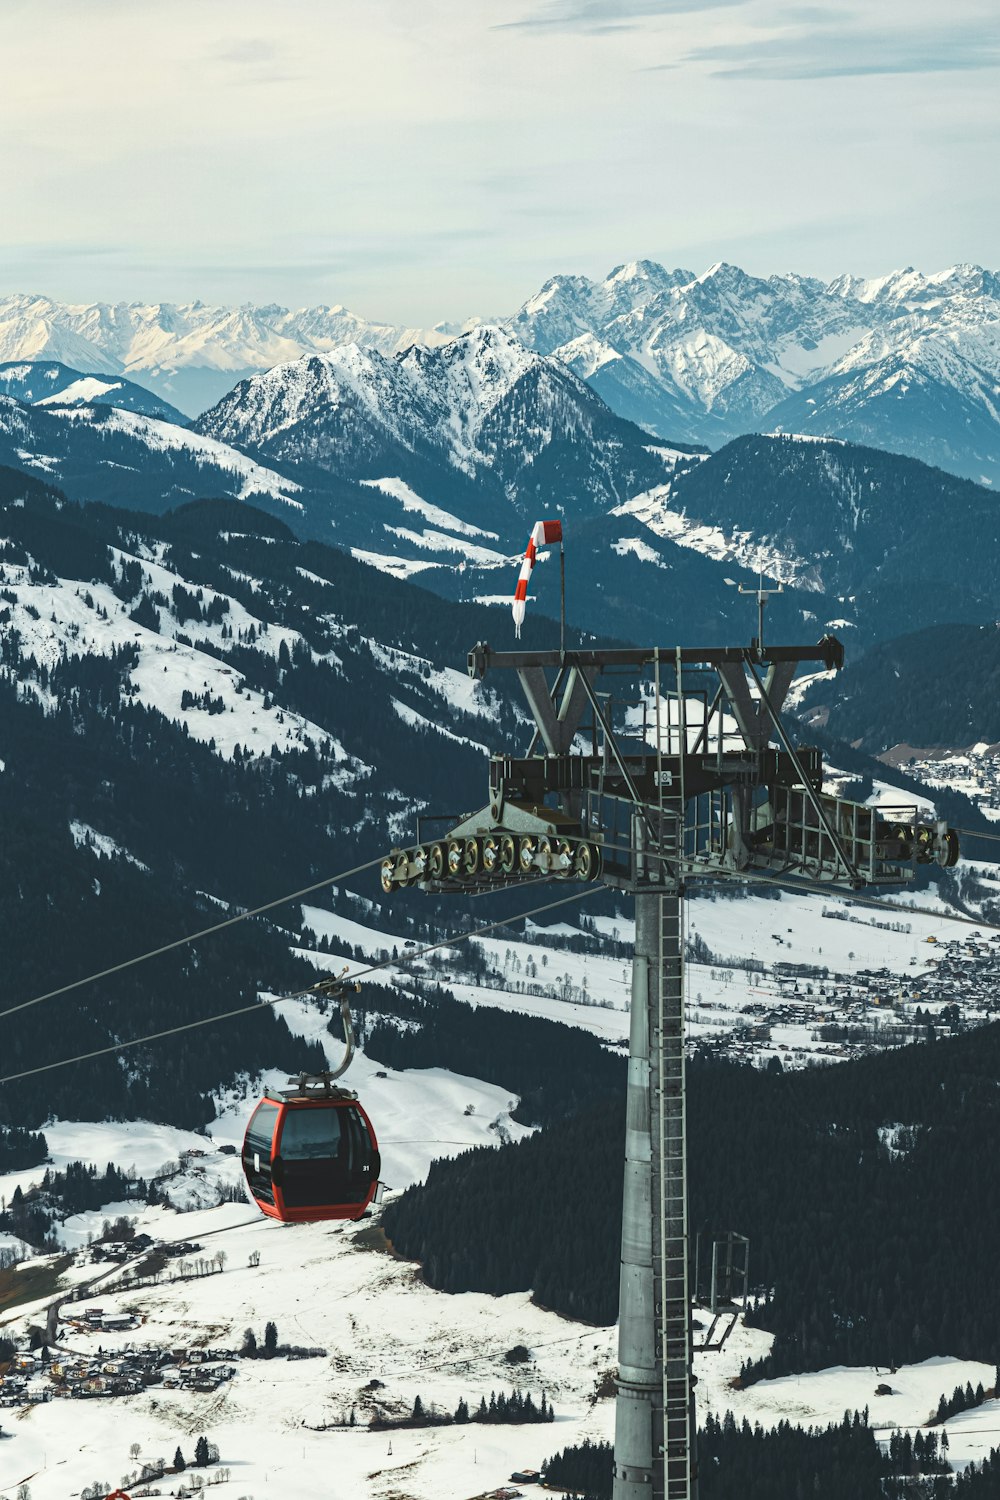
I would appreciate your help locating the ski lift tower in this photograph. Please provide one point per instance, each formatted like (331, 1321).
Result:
(649, 768)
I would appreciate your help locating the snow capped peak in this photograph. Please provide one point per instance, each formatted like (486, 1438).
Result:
(689, 357)
(889, 287)
(640, 274)
(482, 404)
(723, 271)
(563, 284)
(496, 356)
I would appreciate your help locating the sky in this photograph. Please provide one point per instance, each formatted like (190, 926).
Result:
(427, 160)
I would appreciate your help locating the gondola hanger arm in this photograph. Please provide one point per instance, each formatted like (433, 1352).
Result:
(339, 988)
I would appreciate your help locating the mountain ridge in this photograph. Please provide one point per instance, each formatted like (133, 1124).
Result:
(693, 357)
(436, 462)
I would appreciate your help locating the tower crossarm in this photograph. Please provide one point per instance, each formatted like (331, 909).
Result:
(828, 653)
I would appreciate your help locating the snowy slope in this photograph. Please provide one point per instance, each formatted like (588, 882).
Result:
(99, 452)
(94, 621)
(166, 437)
(46, 383)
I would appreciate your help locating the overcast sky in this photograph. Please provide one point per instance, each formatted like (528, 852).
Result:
(421, 160)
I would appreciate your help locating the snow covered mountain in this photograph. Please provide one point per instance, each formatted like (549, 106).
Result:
(97, 452)
(907, 362)
(219, 709)
(496, 430)
(48, 383)
(434, 463)
(189, 353)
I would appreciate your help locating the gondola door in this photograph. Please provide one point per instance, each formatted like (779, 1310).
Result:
(258, 1156)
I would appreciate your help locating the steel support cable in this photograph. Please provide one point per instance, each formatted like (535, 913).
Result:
(193, 937)
(721, 875)
(243, 1010)
(976, 833)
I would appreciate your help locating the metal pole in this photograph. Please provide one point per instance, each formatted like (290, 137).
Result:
(654, 1429)
(562, 602)
(638, 1412)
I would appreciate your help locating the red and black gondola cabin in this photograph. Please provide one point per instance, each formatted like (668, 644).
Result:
(310, 1156)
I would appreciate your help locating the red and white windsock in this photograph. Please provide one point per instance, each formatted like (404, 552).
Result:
(542, 533)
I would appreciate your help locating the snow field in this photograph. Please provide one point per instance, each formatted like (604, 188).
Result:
(440, 541)
(377, 1322)
(323, 1286)
(396, 567)
(652, 509)
(89, 619)
(456, 689)
(126, 1143)
(790, 930)
(408, 498)
(87, 388)
(822, 1396)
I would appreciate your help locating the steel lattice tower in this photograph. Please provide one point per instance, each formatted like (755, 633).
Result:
(702, 780)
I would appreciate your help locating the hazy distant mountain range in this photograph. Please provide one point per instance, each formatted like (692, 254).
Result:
(908, 362)
(190, 354)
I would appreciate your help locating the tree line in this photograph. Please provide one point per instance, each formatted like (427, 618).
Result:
(860, 1256)
(740, 1462)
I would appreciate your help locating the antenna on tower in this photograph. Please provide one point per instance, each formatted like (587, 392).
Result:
(762, 595)
(562, 598)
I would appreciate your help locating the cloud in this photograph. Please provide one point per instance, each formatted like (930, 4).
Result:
(252, 60)
(813, 15)
(855, 52)
(253, 50)
(607, 15)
